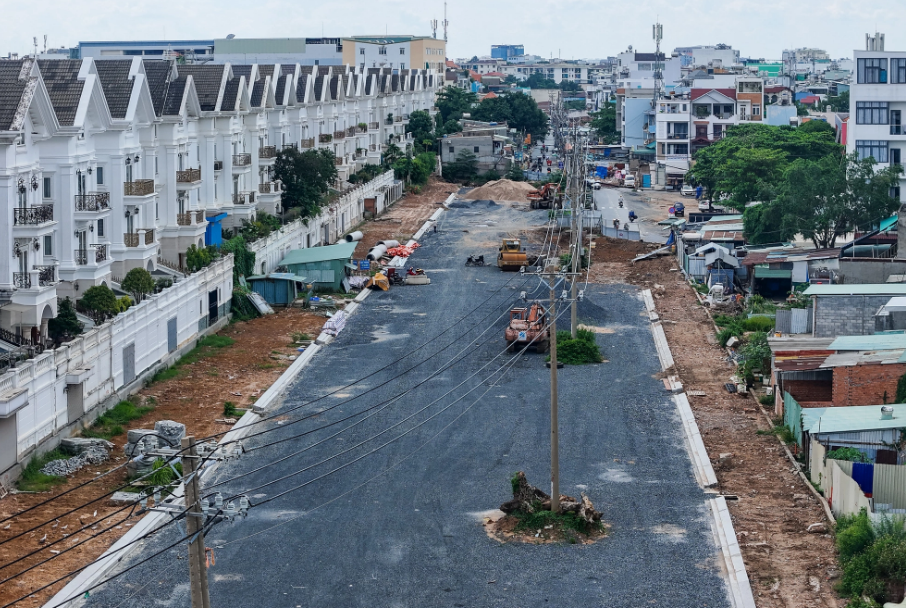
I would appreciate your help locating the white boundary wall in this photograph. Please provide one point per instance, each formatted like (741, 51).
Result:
(346, 213)
(46, 417)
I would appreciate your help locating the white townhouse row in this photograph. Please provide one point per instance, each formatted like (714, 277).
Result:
(110, 165)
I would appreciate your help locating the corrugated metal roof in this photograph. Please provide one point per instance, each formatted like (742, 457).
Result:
(853, 418)
(318, 254)
(810, 415)
(876, 342)
(863, 357)
(866, 289)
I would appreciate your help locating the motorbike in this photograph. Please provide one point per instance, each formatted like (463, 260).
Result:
(475, 260)
(621, 203)
(632, 216)
(412, 272)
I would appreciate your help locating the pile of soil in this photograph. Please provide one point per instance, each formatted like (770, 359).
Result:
(502, 190)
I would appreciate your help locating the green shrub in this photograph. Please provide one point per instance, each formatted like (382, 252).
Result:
(850, 454)
(138, 282)
(579, 351)
(33, 480)
(66, 325)
(229, 409)
(112, 422)
(766, 400)
(759, 323)
(724, 320)
(756, 355)
(98, 302)
(854, 535)
(123, 303)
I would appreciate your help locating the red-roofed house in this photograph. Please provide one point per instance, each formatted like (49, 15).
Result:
(779, 95)
(811, 100)
(491, 95)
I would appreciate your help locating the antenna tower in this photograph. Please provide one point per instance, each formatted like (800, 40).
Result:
(657, 31)
(433, 24)
(445, 23)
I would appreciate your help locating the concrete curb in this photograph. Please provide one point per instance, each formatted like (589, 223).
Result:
(649, 305)
(663, 349)
(740, 588)
(704, 472)
(107, 561)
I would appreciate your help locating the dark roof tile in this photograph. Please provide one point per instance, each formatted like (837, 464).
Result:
(11, 90)
(117, 86)
(207, 78)
(175, 92)
(61, 80)
(157, 73)
(281, 88)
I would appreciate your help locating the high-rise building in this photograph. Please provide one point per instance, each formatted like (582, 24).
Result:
(505, 51)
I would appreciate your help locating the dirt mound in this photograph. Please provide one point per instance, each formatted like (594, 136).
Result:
(502, 190)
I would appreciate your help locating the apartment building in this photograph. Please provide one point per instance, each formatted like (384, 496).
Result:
(110, 165)
(558, 71)
(395, 52)
(686, 124)
(877, 97)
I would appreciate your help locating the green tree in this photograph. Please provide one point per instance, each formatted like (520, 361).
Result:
(840, 103)
(604, 124)
(569, 86)
(453, 102)
(65, 326)
(574, 104)
(306, 178)
(421, 125)
(826, 198)
(816, 126)
(515, 173)
(519, 111)
(198, 258)
(463, 169)
(138, 282)
(99, 302)
(392, 153)
(537, 81)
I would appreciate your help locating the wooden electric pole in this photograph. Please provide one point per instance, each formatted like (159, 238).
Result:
(198, 569)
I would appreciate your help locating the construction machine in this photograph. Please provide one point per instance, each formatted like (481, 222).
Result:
(511, 257)
(528, 326)
(547, 198)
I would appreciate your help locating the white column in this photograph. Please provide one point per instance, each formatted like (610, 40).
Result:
(66, 217)
(7, 198)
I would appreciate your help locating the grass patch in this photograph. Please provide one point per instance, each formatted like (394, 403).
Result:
(766, 399)
(229, 409)
(111, 423)
(564, 521)
(206, 347)
(265, 365)
(213, 372)
(33, 480)
(784, 432)
(299, 336)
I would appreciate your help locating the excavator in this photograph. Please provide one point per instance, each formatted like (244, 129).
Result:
(548, 197)
(511, 257)
(528, 326)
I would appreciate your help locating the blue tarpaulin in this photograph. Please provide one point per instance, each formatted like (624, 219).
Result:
(864, 475)
(601, 171)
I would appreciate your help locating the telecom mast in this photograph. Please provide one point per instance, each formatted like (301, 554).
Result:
(446, 23)
(657, 31)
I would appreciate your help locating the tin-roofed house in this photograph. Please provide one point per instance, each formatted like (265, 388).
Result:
(323, 267)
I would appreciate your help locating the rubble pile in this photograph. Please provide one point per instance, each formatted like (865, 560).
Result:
(528, 499)
(92, 452)
(501, 190)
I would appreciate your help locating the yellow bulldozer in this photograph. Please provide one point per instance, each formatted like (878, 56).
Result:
(511, 257)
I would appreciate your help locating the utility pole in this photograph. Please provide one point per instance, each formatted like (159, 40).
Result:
(198, 569)
(555, 431)
(576, 241)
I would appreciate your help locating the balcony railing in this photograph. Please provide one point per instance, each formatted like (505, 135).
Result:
(140, 187)
(324, 138)
(350, 132)
(267, 152)
(81, 256)
(243, 198)
(374, 126)
(218, 165)
(339, 134)
(242, 160)
(199, 217)
(149, 237)
(184, 219)
(95, 201)
(896, 129)
(405, 117)
(188, 176)
(19, 340)
(397, 119)
(267, 188)
(307, 144)
(389, 120)
(47, 275)
(130, 239)
(21, 280)
(372, 147)
(362, 128)
(100, 253)
(677, 136)
(288, 146)
(338, 160)
(31, 216)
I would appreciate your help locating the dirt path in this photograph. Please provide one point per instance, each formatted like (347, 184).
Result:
(406, 216)
(788, 567)
(238, 373)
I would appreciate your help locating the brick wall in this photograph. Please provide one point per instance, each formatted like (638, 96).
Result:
(809, 390)
(866, 384)
(846, 315)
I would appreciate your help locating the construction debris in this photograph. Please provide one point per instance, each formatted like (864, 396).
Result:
(95, 453)
(502, 190)
(403, 251)
(527, 499)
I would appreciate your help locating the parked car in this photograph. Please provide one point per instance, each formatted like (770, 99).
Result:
(687, 190)
(679, 209)
(629, 181)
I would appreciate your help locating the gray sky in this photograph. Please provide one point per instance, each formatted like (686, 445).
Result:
(578, 28)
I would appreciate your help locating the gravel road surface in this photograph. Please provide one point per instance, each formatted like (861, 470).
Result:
(401, 527)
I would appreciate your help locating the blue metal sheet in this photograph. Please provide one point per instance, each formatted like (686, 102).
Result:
(863, 474)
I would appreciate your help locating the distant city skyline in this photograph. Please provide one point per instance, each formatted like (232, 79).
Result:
(575, 29)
